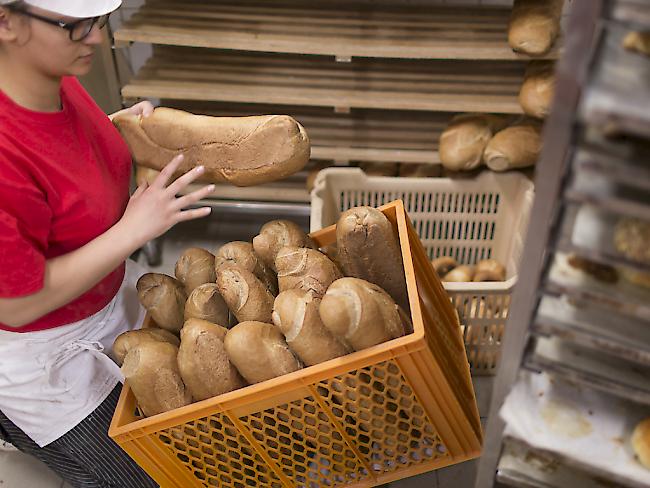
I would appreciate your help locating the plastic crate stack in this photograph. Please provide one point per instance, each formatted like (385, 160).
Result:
(575, 377)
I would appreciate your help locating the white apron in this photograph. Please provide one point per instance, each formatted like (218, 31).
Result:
(51, 380)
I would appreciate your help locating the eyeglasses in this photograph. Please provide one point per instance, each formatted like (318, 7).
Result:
(78, 29)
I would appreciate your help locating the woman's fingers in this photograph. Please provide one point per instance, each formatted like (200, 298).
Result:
(175, 187)
(167, 172)
(193, 214)
(195, 196)
(140, 189)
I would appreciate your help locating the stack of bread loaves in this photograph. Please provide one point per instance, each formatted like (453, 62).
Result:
(255, 311)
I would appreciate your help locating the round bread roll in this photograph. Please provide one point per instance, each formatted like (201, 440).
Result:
(295, 312)
(195, 267)
(534, 25)
(259, 352)
(275, 235)
(242, 255)
(131, 338)
(537, 91)
(638, 42)
(203, 362)
(641, 442)
(306, 269)
(632, 239)
(489, 270)
(460, 274)
(246, 296)
(152, 372)
(361, 314)
(517, 146)
(462, 143)
(380, 169)
(164, 298)
(444, 265)
(206, 303)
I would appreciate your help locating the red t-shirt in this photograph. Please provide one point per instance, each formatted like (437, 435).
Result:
(64, 180)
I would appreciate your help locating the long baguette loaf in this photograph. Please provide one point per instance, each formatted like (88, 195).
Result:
(243, 151)
(242, 255)
(246, 296)
(164, 298)
(275, 235)
(206, 303)
(132, 338)
(195, 267)
(305, 269)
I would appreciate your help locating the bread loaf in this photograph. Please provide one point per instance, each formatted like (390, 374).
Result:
(259, 352)
(632, 239)
(242, 255)
(460, 274)
(203, 362)
(246, 296)
(275, 235)
(368, 249)
(489, 270)
(537, 91)
(444, 265)
(206, 303)
(638, 42)
(296, 314)
(152, 372)
(361, 314)
(132, 338)
(641, 442)
(517, 146)
(462, 143)
(243, 151)
(306, 269)
(420, 170)
(164, 298)
(195, 267)
(534, 25)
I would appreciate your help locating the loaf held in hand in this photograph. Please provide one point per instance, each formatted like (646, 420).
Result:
(246, 296)
(534, 25)
(203, 362)
(275, 235)
(368, 249)
(206, 303)
(462, 143)
(195, 267)
(362, 314)
(295, 313)
(164, 298)
(152, 372)
(242, 255)
(305, 269)
(537, 91)
(132, 338)
(259, 352)
(517, 146)
(243, 151)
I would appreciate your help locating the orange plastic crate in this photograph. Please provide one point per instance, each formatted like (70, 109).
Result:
(388, 412)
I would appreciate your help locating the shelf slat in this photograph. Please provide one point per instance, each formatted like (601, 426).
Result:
(336, 29)
(448, 86)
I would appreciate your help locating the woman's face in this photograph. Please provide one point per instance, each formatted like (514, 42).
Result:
(47, 48)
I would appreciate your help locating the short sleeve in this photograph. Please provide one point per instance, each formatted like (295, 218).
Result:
(25, 219)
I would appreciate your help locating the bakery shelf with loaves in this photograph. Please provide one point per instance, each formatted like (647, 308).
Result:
(382, 413)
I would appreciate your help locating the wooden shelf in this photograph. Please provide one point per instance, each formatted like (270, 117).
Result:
(337, 29)
(361, 135)
(449, 86)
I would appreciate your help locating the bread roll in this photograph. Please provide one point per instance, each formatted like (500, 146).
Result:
(361, 313)
(246, 296)
(534, 25)
(306, 269)
(380, 169)
(420, 170)
(131, 338)
(444, 265)
(195, 267)
(460, 274)
(275, 235)
(638, 42)
(462, 143)
(489, 270)
(152, 372)
(537, 91)
(517, 146)
(206, 303)
(368, 249)
(632, 239)
(259, 352)
(295, 312)
(601, 272)
(243, 151)
(242, 255)
(203, 362)
(641, 442)
(164, 298)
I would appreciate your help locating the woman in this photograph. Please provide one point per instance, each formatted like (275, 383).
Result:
(67, 226)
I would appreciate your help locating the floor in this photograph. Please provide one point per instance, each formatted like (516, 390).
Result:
(18, 470)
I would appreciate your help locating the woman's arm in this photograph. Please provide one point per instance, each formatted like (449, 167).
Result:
(151, 211)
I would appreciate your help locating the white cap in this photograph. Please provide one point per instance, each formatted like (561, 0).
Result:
(73, 8)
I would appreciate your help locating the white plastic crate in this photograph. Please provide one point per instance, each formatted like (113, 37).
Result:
(468, 219)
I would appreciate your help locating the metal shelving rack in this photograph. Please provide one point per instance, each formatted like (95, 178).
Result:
(563, 322)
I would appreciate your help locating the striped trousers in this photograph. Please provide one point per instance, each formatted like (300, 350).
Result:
(85, 457)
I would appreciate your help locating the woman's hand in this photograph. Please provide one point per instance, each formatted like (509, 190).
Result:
(144, 108)
(154, 209)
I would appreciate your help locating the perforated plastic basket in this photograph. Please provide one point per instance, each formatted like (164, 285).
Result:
(390, 411)
(470, 220)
